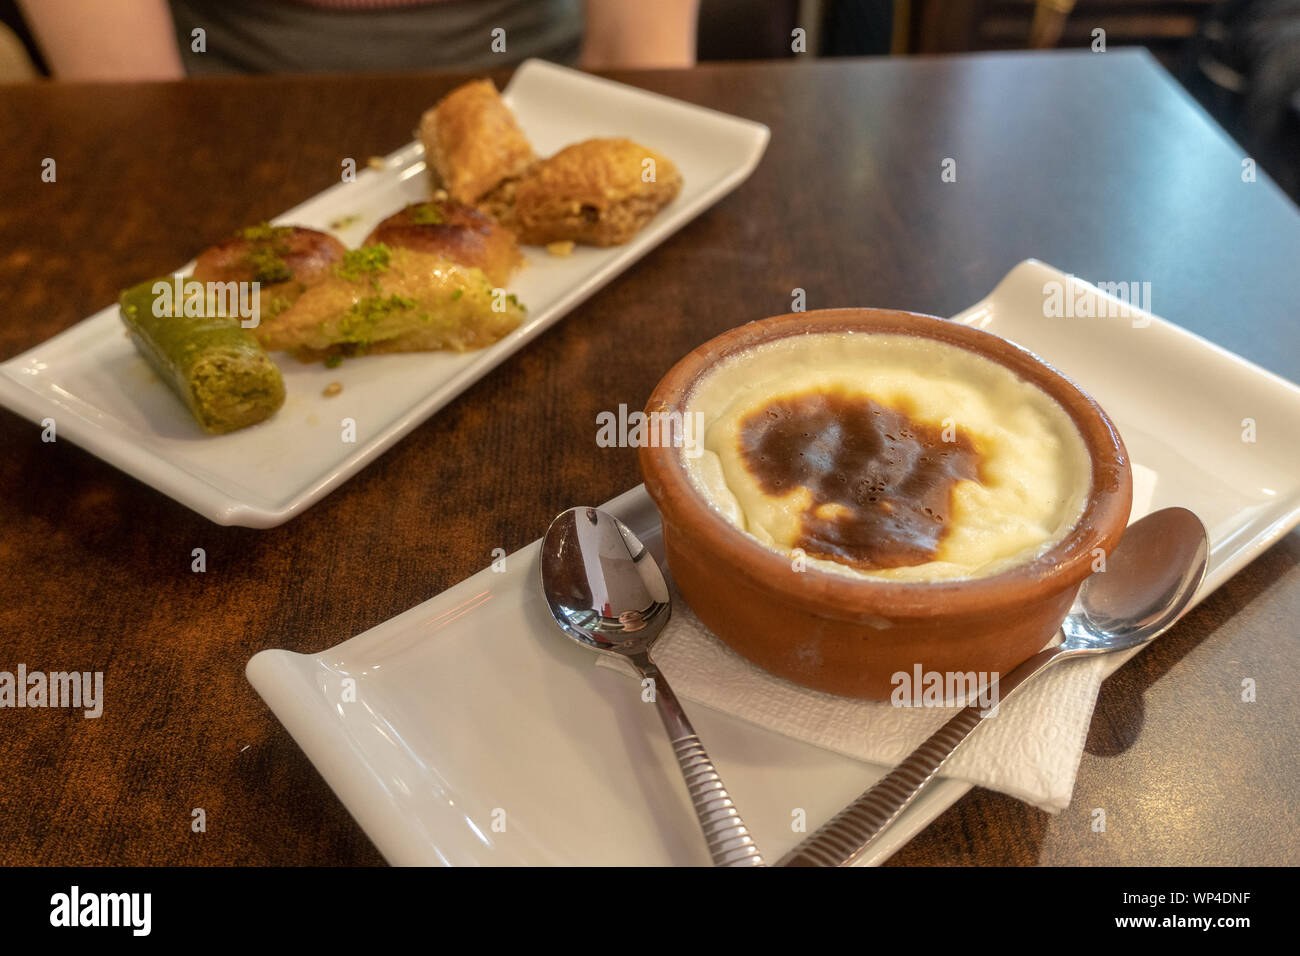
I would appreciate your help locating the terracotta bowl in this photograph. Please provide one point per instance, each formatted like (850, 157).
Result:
(850, 636)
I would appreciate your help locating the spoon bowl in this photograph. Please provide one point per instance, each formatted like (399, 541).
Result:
(606, 592)
(603, 587)
(1145, 585)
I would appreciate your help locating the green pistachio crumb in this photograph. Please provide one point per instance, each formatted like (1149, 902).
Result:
(265, 232)
(427, 214)
(366, 261)
(358, 323)
(268, 265)
(267, 247)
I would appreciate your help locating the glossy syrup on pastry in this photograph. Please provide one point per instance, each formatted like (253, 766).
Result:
(881, 484)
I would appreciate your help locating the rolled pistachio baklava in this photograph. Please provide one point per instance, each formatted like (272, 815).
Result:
(212, 362)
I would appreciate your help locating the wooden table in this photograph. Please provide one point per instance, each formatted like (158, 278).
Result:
(1098, 164)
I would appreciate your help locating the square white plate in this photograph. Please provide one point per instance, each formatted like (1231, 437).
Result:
(103, 396)
(471, 709)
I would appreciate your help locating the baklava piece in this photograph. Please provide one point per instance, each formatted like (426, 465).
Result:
(472, 141)
(454, 231)
(213, 364)
(395, 300)
(283, 260)
(601, 192)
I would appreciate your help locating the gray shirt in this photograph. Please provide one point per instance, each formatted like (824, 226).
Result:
(257, 36)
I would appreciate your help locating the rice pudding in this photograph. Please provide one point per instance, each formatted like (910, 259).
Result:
(887, 456)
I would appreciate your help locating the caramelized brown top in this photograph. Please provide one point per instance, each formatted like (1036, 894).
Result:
(455, 231)
(881, 483)
(270, 255)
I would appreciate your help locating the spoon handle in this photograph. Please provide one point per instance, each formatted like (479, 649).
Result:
(729, 841)
(849, 833)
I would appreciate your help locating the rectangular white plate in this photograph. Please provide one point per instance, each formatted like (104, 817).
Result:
(103, 396)
(472, 709)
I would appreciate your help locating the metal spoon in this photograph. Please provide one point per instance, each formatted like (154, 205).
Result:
(1149, 579)
(605, 590)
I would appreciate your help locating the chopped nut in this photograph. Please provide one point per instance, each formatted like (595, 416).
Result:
(332, 389)
(561, 247)
(440, 195)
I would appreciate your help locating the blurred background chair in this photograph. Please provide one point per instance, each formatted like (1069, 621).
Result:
(1240, 59)
(950, 26)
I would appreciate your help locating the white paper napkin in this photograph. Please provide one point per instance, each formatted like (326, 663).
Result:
(1029, 749)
